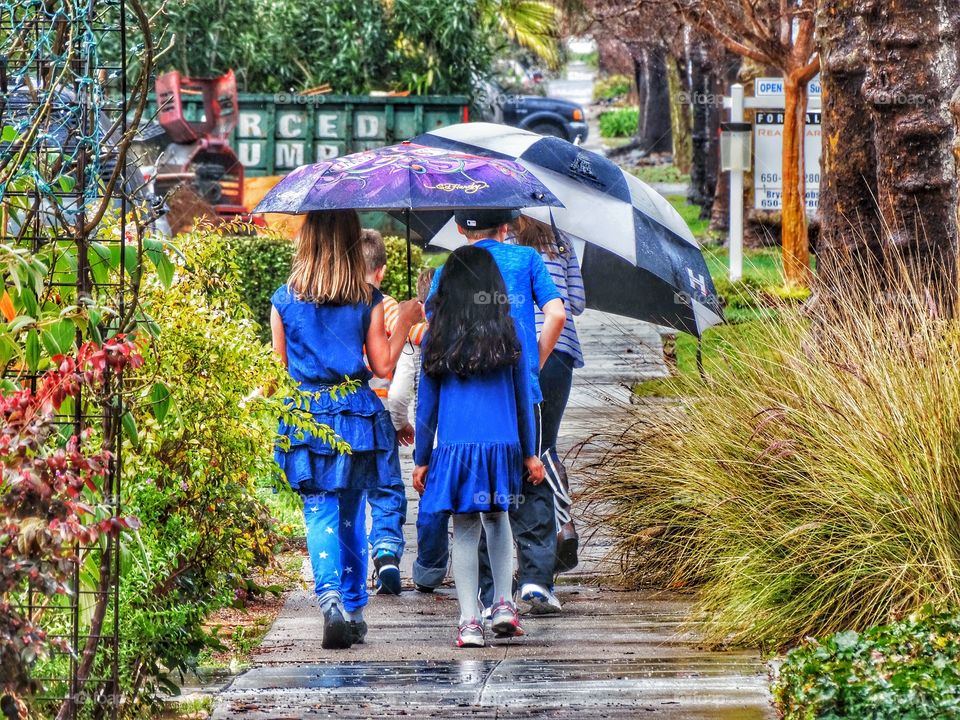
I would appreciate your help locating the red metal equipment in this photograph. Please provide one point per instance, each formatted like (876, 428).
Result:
(199, 154)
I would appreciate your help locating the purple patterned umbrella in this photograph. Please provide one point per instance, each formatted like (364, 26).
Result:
(407, 177)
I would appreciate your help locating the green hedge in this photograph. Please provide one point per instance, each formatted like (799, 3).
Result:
(622, 122)
(612, 87)
(395, 281)
(263, 265)
(909, 670)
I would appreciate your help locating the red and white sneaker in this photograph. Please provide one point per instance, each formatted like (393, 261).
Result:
(504, 620)
(470, 634)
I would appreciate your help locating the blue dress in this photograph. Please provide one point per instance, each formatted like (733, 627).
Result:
(484, 428)
(325, 346)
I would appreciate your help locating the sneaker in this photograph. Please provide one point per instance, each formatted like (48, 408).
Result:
(541, 600)
(386, 573)
(424, 588)
(336, 630)
(470, 634)
(358, 632)
(568, 543)
(504, 620)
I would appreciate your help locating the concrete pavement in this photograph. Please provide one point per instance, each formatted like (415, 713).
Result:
(611, 654)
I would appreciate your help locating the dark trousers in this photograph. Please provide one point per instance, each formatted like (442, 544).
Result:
(533, 518)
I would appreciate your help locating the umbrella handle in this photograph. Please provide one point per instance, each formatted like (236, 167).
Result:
(406, 212)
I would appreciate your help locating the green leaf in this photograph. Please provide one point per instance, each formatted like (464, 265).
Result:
(160, 401)
(59, 338)
(164, 270)
(130, 428)
(33, 351)
(100, 262)
(28, 301)
(130, 260)
(9, 133)
(8, 350)
(67, 183)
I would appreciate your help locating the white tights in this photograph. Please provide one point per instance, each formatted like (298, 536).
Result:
(466, 561)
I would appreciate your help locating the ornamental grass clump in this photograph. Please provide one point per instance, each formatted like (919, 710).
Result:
(809, 487)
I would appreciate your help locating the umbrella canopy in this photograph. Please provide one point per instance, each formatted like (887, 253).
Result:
(637, 255)
(407, 176)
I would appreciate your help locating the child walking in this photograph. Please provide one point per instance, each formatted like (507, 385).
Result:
(321, 321)
(474, 399)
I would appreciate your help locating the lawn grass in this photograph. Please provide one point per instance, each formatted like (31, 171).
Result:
(691, 216)
(660, 174)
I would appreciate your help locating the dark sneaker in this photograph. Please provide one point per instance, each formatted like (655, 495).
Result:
(425, 589)
(470, 634)
(568, 544)
(358, 632)
(336, 630)
(504, 620)
(386, 573)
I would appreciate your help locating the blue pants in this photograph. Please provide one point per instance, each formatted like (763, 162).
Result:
(433, 549)
(337, 544)
(388, 510)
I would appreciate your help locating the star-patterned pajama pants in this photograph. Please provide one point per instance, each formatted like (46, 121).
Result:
(337, 544)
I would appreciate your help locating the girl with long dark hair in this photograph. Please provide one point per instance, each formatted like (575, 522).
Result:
(474, 400)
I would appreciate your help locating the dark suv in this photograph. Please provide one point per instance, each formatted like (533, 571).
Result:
(544, 115)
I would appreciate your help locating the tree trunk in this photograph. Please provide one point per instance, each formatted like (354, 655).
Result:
(913, 70)
(848, 164)
(796, 248)
(680, 118)
(888, 194)
(653, 132)
(706, 91)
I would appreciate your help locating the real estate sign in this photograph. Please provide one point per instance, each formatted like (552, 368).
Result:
(768, 148)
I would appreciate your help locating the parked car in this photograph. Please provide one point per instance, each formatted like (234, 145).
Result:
(544, 115)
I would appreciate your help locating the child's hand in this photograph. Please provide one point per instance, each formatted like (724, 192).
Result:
(410, 312)
(534, 469)
(420, 478)
(405, 435)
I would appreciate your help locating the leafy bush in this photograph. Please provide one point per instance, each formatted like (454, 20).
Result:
(909, 670)
(263, 265)
(812, 485)
(395, 281)
(622, 122)
(612, 87)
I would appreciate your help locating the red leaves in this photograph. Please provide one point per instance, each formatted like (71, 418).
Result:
(50, 490)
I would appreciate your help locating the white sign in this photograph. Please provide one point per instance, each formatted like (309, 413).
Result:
(773, 87)
(768, 159)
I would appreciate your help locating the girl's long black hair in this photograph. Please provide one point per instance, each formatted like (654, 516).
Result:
(471, 331)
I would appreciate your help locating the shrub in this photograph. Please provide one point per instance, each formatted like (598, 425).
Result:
(263, 265)
(812, 485)
(906, 670)
(395, 281)
(622, 122)
(612, 87)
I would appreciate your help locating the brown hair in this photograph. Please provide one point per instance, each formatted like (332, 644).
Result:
(374, 251)
(328, 264)
(537, 235)
(424, 280)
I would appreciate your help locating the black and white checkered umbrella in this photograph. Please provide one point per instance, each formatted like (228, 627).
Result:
(637, 255)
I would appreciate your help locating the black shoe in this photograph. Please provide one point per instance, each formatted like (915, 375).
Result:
(425, 589)
(337, 634)
(568, 543)
(358, 632)
(387, 574)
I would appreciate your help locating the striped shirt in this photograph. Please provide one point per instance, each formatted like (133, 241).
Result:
(565, 271)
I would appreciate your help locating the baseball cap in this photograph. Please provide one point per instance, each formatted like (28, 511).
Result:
(484, 218)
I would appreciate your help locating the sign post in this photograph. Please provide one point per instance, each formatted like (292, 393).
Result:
(768, 155)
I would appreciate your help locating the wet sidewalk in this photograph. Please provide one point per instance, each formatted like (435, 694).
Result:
(611, 654)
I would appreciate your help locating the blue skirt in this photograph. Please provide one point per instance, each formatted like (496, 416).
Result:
(473, 477)
(313, 465)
